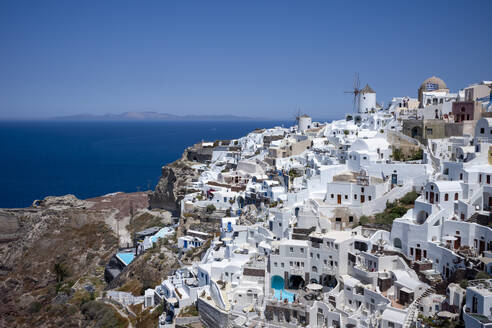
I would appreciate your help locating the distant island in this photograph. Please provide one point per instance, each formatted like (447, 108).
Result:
(142, 116)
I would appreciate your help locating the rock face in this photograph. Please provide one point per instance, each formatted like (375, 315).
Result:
(163, 196)
(172, 186)
(48, 252)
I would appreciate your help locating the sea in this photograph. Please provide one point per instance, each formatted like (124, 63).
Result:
(93, 158)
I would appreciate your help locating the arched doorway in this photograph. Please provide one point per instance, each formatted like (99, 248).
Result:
(416, 132)
(296, 282)
(422, 216)
(329, 281)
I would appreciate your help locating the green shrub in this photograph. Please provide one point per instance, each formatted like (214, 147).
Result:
(363, 220)
(409, 198)
(210, 209)
(482, 275)
(464, 283)
(398, 154)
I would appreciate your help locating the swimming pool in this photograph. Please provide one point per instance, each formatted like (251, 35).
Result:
(126, 258)
(162, 233)
(282, 294)
(279, 292)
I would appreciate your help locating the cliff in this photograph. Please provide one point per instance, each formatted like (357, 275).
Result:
(53, 254)
(173, 185)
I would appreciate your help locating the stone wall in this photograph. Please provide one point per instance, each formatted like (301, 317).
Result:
(211, 317)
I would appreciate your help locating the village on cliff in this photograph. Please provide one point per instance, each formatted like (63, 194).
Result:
(379, 219)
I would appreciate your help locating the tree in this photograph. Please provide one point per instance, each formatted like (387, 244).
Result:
(60, 271)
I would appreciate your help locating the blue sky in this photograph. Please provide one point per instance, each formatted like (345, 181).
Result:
(254, 58)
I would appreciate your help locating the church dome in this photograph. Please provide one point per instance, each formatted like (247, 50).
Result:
(433, 83)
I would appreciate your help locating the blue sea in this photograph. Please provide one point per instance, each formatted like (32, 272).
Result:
(89, 159)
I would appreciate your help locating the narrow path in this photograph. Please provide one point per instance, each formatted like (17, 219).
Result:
(123, 313)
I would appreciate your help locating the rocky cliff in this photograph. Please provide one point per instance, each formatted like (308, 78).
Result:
(53, 254)
(173, 185)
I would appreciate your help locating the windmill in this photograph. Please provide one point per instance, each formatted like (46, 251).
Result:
(297, 115)
(356, 91)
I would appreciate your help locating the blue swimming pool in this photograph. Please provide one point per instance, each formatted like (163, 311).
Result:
(126, 258)
(282, 294)
(279, 292)
(162, 233)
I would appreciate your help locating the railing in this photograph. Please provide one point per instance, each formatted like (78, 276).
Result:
(297, 272)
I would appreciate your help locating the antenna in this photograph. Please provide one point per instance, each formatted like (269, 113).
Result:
(356, 91)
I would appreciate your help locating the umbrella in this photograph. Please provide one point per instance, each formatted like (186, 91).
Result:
(314, 287)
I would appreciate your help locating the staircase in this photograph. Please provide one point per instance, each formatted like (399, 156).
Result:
(413, 309)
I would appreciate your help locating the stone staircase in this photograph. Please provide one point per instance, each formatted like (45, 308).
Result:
(413, 309)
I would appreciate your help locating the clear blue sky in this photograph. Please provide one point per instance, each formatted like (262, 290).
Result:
(255, 58)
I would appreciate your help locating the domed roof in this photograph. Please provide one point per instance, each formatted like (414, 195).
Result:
(433, 83)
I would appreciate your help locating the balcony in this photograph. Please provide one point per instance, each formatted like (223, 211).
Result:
(297, 271)
(329, 270)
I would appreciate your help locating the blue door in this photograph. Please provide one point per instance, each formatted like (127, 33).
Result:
(185, 244)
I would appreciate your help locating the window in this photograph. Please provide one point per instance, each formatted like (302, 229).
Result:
(292, 249)
(291, 263)
(446, 197)
(355, 196)
(311, 254)
(351, 219)
(411, 251)
(362, 189)
(456, 196)
(317, 256)
(370, 197)
(461, 176)
(346, 196)
(275, 264)
(302, 250)
(488, 178)
(332, 195)
(479, 178)
(282, 264)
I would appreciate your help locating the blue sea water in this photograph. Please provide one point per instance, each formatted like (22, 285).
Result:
(89, 159)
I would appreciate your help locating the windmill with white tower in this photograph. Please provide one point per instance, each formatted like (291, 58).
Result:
(364, 99)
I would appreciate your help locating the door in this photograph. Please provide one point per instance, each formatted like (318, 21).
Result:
(457, 242)
(185, 244)
(490, 202)
(481, 247)
(362, 198)
(418, 254)
(339, 199)
(431, 198)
